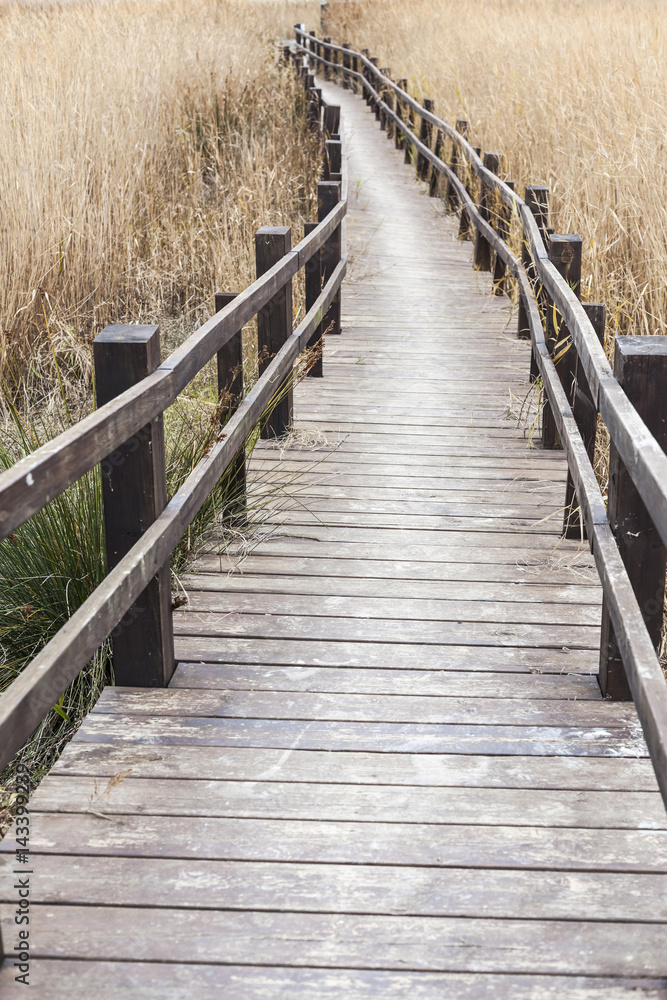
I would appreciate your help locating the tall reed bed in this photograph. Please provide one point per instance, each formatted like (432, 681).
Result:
(573, 94)
(142, 143)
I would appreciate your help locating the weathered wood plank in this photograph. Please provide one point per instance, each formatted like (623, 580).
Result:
(567, 578)
(211, 704)
(312, 886)
(350, 768)
(201, 603)
(432, 683)
(335, 801)
(167, 980)
(510, 592)
(414, 656)
(617, 741)
(377, 630)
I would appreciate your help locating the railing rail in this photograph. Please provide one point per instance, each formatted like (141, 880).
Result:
(47, 472)
(637, 448)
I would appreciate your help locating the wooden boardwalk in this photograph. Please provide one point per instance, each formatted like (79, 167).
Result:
(383, 768)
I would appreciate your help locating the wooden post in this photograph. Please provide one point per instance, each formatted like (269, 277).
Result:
(367, 96)
(586, 417)
(346, 65)
(313, 281)
(334, 155)
(312, 107)
(331, 120)
(451, 196)
(390, 101)
(230, 395)
(465, 226)
(426, 136)
(386, 71)
(537, 200)
(482, 255)
(274, 320)
(374, 83)
(328, 72)
(399, 137)
(328, 196)
(640, 365)
(411, 125)
(355, 68)
(565, 254)
(500, 267)
(434, 183)
(134, 492)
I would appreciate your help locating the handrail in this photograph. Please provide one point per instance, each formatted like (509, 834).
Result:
(51, 469)
(647, 464)
(48, 471)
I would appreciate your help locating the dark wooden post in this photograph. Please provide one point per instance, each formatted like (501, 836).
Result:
(434, 183)
(386, 71)
(230, 395)
(465, 225)
(503, 229)
(399, 137)
(451, 196)
(376, 86)
(328, 196)
(331, 120)
(333, 159)
(390, 101)
(640, 365)
(565, 254)
(537, 200)
(585, 414)
(346, 65)
(482, 255)
(367, 96)
(355, 68)
(328, 72)
(134, 492)
(274, 320)
(426, 136)
(312, 105)
(313, 283)
(411, 125)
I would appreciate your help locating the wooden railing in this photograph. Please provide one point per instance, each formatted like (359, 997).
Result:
(125, 436)
(629, 537)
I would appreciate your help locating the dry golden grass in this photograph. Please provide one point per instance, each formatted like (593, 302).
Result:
(573, 93)
(142, 143)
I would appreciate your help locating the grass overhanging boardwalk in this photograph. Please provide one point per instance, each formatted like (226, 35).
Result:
(383, 767)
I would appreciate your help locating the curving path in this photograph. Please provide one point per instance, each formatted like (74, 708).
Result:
(383, 768)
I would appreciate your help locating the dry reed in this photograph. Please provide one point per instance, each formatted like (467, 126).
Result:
(142, 143)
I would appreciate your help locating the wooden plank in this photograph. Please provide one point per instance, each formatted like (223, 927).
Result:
(212, 704)
(414, 656)
(350, 768)
(432, 683)
(204, 602)
(313, 885)
(326, 585)
(377, 630)
(378, 737)
(335, 801)
(568, 578)
(167, 980)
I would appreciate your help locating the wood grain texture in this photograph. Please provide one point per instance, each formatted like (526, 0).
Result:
(383, 768)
